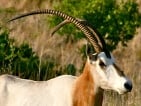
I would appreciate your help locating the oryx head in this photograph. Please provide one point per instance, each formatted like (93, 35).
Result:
(103, 67)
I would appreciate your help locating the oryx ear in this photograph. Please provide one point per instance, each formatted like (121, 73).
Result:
(90, 52)
(89, 49)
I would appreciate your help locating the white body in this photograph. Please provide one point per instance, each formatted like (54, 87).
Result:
(20, 92)
(66, 90)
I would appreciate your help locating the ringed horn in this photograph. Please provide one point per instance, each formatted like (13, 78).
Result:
(93, 35)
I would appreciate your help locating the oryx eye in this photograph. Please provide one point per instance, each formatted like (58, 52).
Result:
(102, 64)
(93, 57)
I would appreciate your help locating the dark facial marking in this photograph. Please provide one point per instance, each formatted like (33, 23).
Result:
(119, 71)
(102, 64)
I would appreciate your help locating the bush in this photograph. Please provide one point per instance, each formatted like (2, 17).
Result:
(116, 21)
(21, 60)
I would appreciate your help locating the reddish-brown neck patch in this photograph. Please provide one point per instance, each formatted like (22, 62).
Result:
(84, 94)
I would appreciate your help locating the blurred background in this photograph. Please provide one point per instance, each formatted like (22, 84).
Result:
(28, 51)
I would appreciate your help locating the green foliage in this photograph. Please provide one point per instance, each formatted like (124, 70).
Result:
(20, 60)
(116, 21)
(70, 69)
(16, 58)
(23, 62)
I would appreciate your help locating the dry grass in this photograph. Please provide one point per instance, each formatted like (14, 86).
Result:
(35, 31)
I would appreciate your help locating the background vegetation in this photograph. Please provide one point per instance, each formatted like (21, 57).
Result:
(116, 21)
(27, 50)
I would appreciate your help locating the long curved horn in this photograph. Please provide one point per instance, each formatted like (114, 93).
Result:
(92, 29)
(73, 20)
(57, 27)
(100, 39)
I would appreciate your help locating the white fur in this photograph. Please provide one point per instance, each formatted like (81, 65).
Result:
(20, 92)
(58, 91)
(108, 78)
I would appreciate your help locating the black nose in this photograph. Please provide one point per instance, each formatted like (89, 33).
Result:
(128, 86)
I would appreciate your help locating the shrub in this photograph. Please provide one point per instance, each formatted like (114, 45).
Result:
(21, 60)
(116, 21)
